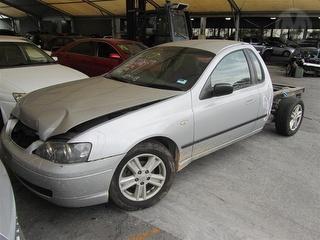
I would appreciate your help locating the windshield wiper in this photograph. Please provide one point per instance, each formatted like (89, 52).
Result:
(17, 65)
(143, 84)
(39, 63)
(120, 79)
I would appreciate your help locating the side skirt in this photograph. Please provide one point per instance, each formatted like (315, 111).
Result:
(186, 162)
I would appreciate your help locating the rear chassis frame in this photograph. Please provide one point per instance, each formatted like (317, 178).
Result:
(282, 91)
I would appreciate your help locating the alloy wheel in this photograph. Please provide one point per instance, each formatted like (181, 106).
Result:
(296, 117)
(142, 177)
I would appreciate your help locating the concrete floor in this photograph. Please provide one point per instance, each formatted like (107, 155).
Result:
(265, 187)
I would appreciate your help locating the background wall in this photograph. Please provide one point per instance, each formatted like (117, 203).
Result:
(88, 26)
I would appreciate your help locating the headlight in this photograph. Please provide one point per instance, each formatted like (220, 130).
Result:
(18, 96)
(60, 152)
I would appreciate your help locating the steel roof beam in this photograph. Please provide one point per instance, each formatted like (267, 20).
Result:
(252, 14)
(101, 9)
(234, 6)
(9, 3)
(55, 8)
(153, 3)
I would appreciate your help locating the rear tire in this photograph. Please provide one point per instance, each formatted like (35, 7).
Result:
(139, 186)
(289, 116)
(286, 54)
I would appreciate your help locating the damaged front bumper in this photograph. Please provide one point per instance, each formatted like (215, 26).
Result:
(69, 185)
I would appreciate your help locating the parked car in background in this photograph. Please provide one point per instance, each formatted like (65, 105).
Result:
(95, 56)
(9, 228)
(310, 42)
(307, 58)
(264, 50)
(279, 47)
(24, 68)
(56, 43)
(306, 52)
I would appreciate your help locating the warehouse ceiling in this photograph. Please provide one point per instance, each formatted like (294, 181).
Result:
(11, 11)
(118, 7)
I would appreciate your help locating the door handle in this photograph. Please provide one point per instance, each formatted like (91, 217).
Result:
(250, 101)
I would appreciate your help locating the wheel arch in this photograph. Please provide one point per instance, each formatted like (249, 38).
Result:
(168, 143)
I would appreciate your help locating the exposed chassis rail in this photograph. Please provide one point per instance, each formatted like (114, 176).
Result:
(281, 91)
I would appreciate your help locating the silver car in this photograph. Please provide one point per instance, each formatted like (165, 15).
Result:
(279, 48)
(7, 207)
(126, 134)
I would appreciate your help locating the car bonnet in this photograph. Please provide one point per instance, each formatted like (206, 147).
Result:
(55, 110)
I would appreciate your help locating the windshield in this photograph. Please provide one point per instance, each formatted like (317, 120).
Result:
(180, 25)
(173, 68)
(131, 48)
(14, 54)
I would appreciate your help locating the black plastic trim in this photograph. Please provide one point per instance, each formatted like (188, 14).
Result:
(38, 189)
(93, 122)
(222, 132)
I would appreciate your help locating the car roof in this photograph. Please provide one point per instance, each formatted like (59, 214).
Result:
(107, 40)
(213, 46)
(12, 39)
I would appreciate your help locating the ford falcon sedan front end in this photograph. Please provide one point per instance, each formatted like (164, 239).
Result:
(125, 135)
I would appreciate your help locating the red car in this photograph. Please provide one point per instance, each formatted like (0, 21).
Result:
(95, 56)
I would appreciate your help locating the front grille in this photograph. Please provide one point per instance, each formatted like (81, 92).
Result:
(40, 190)
(23, 135)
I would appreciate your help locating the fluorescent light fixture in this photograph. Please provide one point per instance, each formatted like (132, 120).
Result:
(228, 18)
(273, 18)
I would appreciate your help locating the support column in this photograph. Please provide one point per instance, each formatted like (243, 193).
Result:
(116, 32)
(16, 25)
(237, 26)
(203, 26)
(131, 19)
(305, 33)
(73, 30)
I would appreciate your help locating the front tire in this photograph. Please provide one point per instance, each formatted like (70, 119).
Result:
(289, 116)
(143, 177)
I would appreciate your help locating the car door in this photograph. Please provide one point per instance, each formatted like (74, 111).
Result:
(276, 46)
(264, 88)
(81, 57)
(106, 58)
(220, 120)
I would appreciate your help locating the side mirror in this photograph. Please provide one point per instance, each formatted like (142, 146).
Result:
(219, 89)
(114, 56)
(222, 89)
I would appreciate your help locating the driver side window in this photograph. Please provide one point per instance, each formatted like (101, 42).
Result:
(232, 69)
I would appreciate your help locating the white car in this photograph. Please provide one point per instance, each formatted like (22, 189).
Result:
(8, 224)
(127, 133)
(25, 68)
